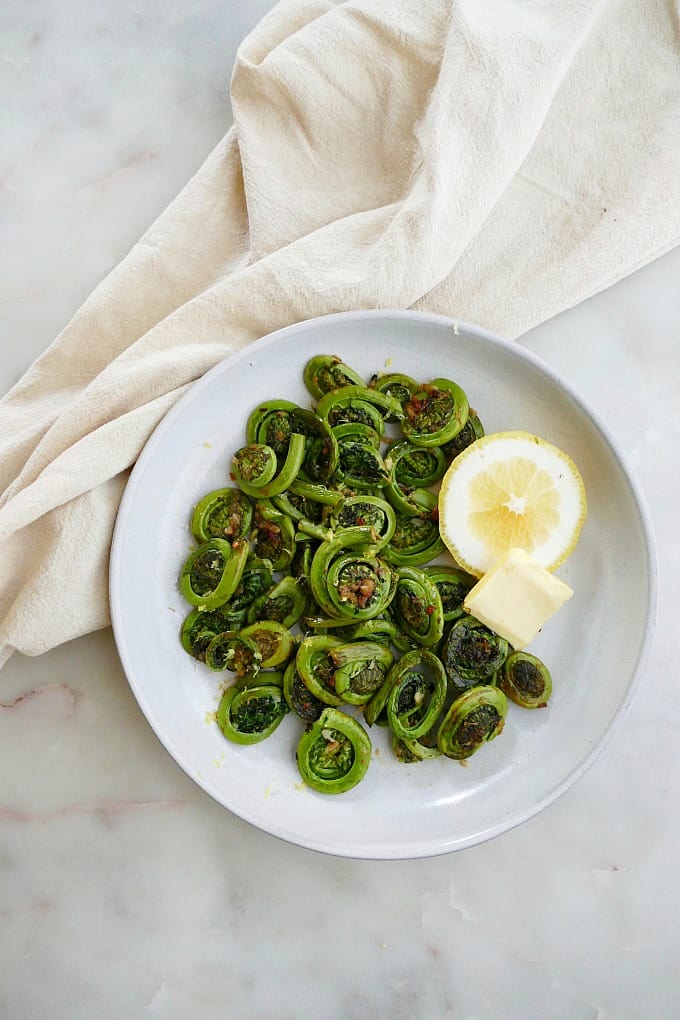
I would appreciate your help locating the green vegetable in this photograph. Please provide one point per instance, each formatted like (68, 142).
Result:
(412, 465)
(274, 536)
(275, 643)
(358, 404)
(334, 754)
(417, 606)
(257, 470)
(417, 693)
(212, 572)
(327, 372)
(285, 602)
(234, 651)
(471, 431)
(224, 513)
(416, 540)
(199, 628)
(360, 669)
(398, 387)
(473, 719)
(317, 669)
(249, 716)
(525, 680)
(256, 579)
(375, 711)
(365, 512)
(412, 751)
(472, 654)
(435, 414)
(298, 696)
(453, 585)
(271, 423)
(357, 585)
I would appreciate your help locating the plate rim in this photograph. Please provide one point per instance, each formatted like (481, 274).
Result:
(409, 850)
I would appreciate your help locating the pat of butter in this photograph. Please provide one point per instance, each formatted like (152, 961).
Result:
(516, 597)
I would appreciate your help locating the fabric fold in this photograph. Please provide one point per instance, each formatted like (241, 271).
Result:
(493, 160)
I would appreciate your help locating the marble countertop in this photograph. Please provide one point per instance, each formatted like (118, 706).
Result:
(125, 891)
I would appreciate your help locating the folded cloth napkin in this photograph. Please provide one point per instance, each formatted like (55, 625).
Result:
(498, 160)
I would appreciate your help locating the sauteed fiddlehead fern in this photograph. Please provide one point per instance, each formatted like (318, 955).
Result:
(315, 562)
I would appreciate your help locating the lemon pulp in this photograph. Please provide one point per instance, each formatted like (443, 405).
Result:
(511, 490)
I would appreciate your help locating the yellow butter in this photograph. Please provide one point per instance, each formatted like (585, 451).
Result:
(516, 597)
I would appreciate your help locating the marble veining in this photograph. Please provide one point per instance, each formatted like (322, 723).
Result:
(125, 891)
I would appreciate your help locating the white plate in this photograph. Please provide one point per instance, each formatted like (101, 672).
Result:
(596, 646)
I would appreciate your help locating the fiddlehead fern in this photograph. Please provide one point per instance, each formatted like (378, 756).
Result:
(525, 680)
(473, 719)
(334, 754)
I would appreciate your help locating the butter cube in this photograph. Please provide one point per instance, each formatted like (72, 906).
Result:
(516, 597)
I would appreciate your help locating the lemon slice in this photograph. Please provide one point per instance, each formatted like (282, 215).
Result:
(511, 490)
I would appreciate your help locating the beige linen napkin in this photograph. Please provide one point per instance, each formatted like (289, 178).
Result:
(497, 160)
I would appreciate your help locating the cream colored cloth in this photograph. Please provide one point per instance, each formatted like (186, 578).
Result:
(497, 160)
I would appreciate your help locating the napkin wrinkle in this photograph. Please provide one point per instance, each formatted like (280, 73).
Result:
(494, 161)
(278, 27)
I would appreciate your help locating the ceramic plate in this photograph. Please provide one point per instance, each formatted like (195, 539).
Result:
(595, 646)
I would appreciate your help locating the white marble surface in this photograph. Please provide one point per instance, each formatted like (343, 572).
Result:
(124, 891)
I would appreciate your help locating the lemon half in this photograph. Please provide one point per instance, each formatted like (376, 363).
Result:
(511, 490)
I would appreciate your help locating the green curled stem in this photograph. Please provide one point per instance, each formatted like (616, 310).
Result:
(268, 483)
(469, 434)
(270, 423)
(275, 643)
(417, 607)
(327, 372)
(416, 541)
(395, 385)
(415, 466)
(435, 414)
(331, 547)
(299, 698)
(474, 718)
(321, 450)
(526, 680)
(410, 502)
(298, 508)
(301, 564)
(361, 668)
(358, 431)
(234, 651)
(285, 603)
(359, 585)
(274, 536)
(316, 668)
(223, 513)
(412, 751)
(264, 678)
(375, 712)
(453, 585)
(365, 512)
(251, 715)
(358, 404)
(274, 423)
(253, 466)
(208, 577)
(315, 531)
(417, 693)
(376, 629)
(315, 492)
(334, 754)
(200, 627)
(360, 465)
(256, 579)
(472, 654)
